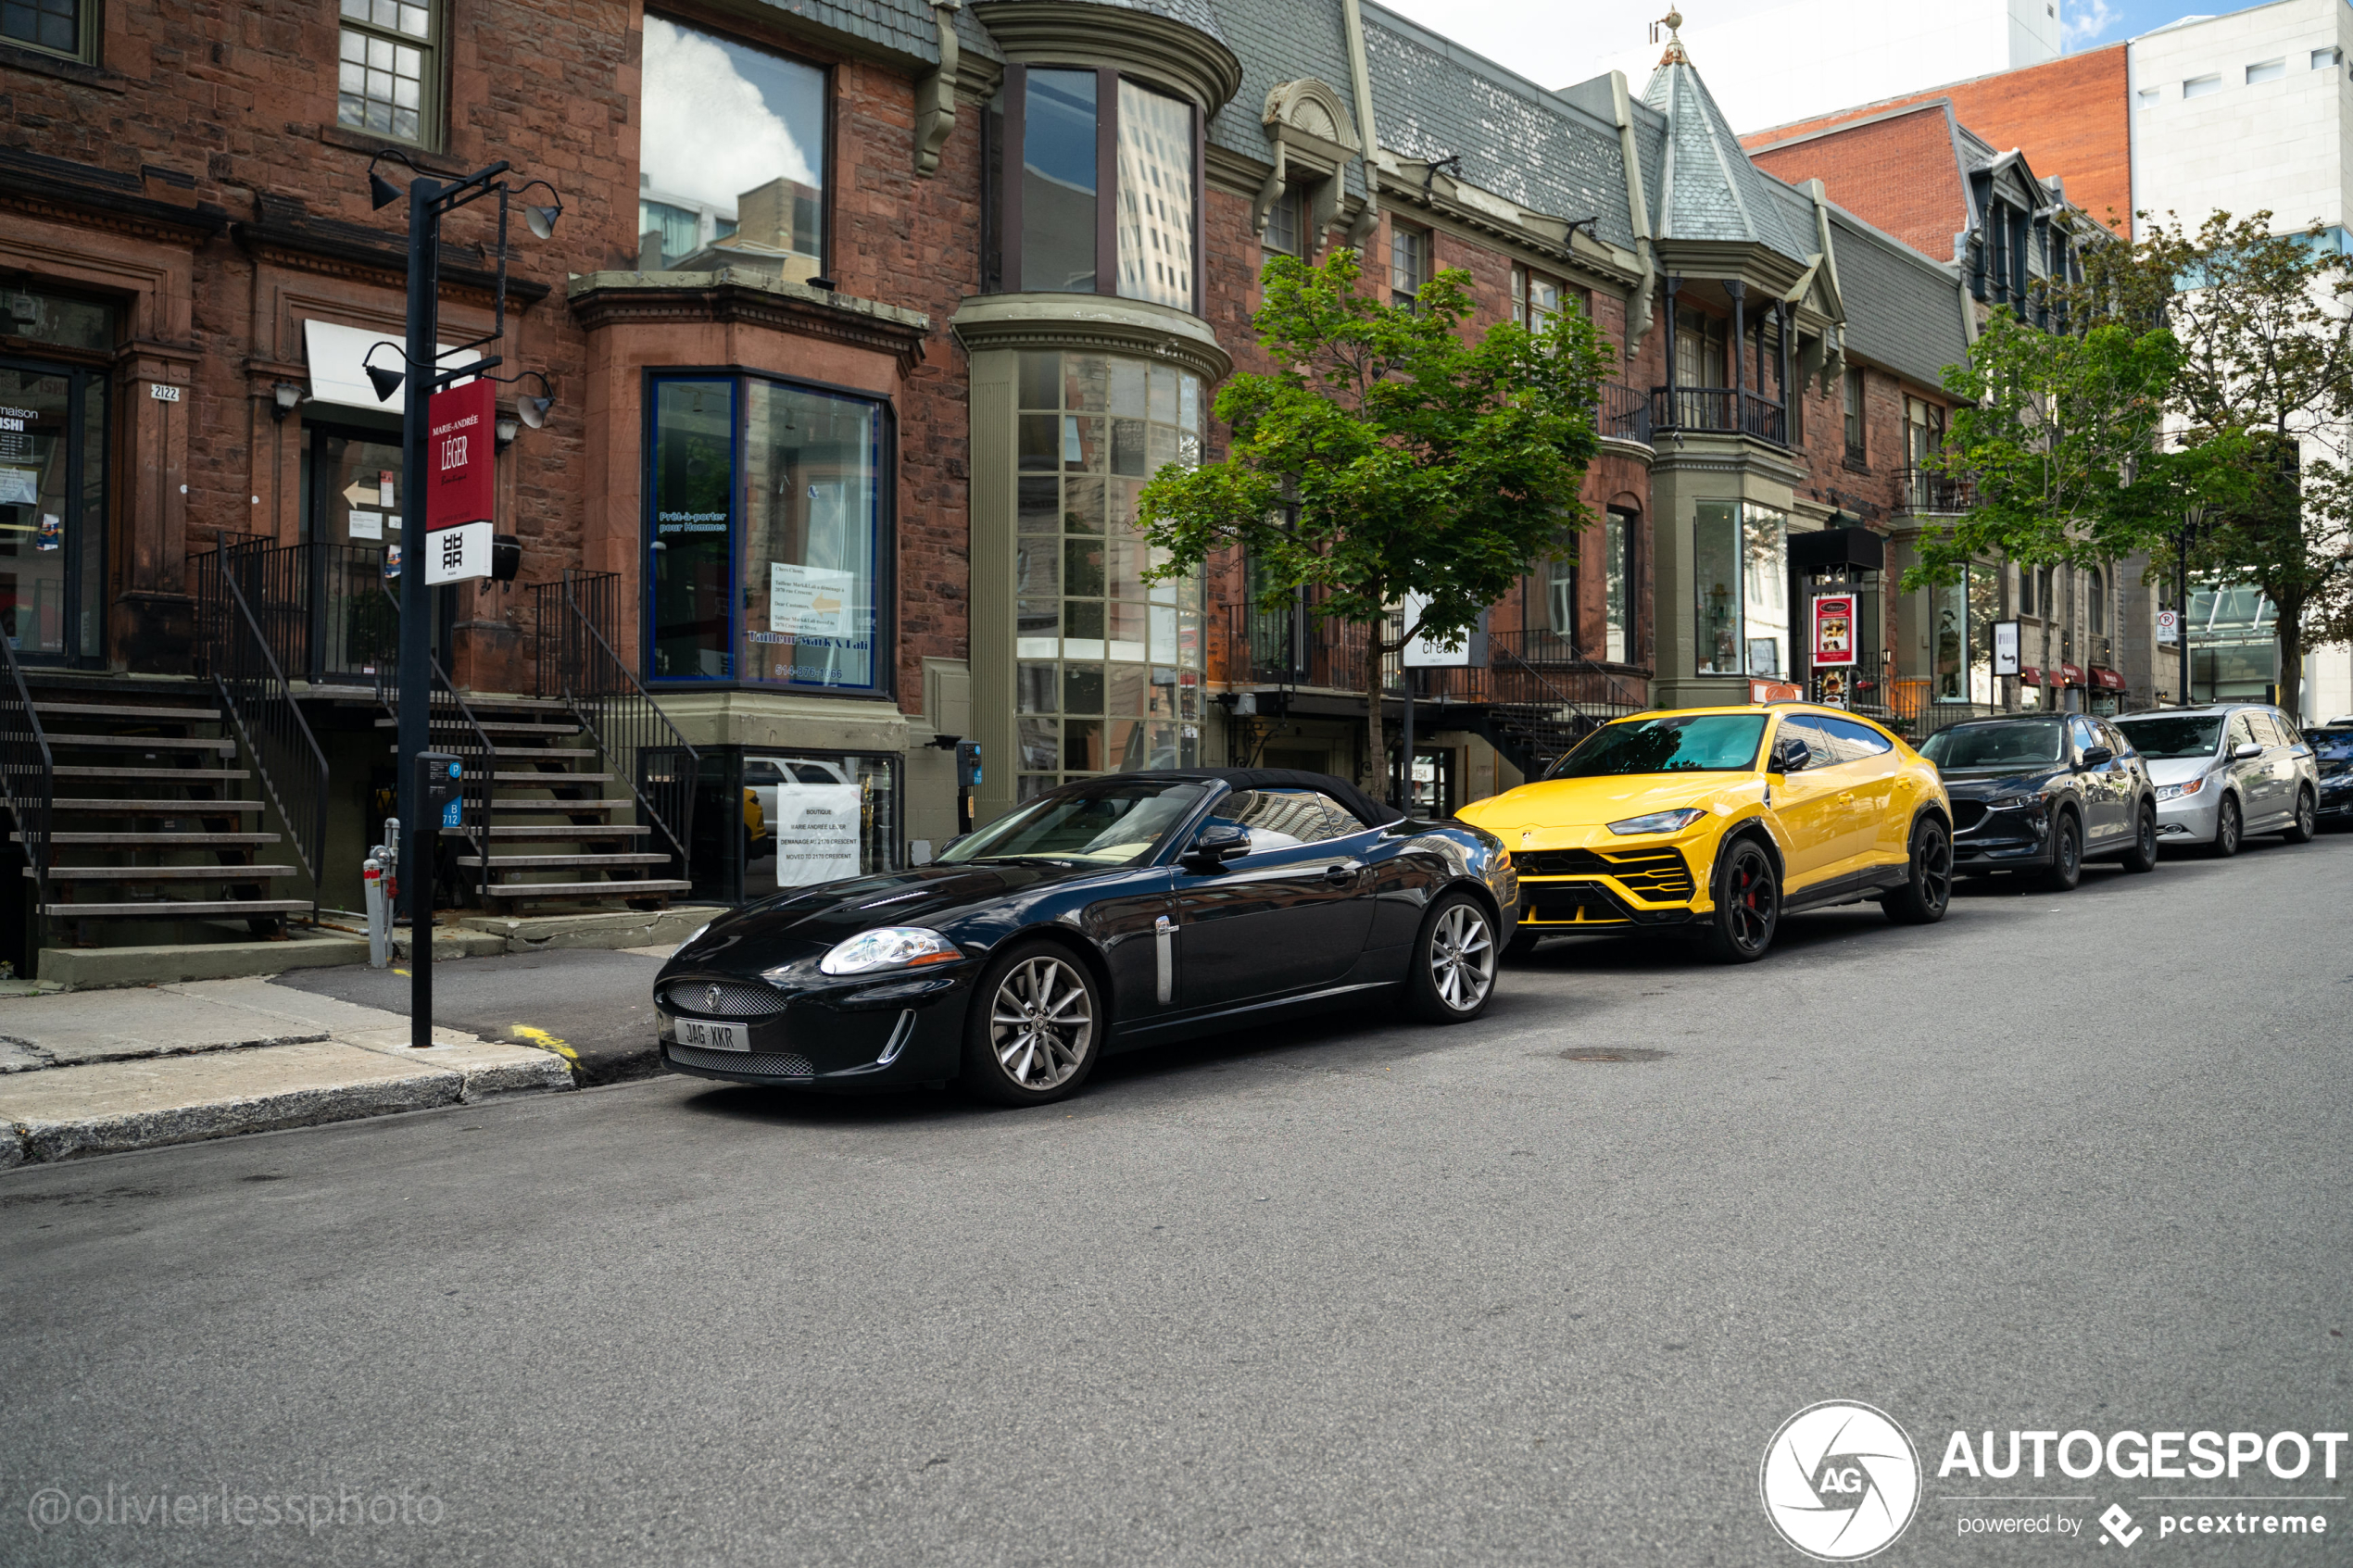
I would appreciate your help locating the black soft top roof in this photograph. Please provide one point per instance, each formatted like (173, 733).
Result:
(1362, 807)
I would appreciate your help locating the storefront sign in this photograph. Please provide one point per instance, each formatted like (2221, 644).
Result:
(460, 459)
(1774, 691)
(1834, 630)
(816, 833)
(810, 601)
(2006, 647)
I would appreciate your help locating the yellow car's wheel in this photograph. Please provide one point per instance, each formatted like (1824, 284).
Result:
(1748, 904)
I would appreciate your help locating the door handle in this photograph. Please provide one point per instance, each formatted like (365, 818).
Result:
(1846, 797)
(1341, 873)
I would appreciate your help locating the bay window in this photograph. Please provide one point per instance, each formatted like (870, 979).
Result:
(766, 509)
(1095, 184)
(1740, 556)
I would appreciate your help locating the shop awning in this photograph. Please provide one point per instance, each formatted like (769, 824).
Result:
(2070, 674)
(336, 354)
(2030, 674)
(2107, 680)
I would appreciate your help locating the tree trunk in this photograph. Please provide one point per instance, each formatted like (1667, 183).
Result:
(2289, 629)
(1375, 744)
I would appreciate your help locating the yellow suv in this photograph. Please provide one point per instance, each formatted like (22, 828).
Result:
(1724, 820)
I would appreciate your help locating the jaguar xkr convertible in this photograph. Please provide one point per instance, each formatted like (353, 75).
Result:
(1105, 915)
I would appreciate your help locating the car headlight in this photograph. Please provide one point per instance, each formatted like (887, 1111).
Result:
(2018, 802)
(2175, 792)
(887, 947)
(1660, 822)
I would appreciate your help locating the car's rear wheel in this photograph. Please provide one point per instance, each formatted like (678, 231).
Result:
(1748, 904)
(1035, 1029)
(2229, 828)
(1926, 893)
(2308, 819)
(2067, 854)
(1453, 974)
(2142, 856)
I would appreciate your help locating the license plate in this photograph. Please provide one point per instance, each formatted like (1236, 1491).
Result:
(714, 1036)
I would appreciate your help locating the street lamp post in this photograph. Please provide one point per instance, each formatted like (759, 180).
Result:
(429, 202)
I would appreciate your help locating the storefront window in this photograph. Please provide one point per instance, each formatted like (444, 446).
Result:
(766, 533)
(1740, 556)
(53, 467)
(767, 819)
(732, 161)
(1110, 673)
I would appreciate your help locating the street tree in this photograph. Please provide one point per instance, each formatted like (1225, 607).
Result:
(1390, 458)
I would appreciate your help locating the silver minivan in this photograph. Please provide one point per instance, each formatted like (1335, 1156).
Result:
(2227, 770)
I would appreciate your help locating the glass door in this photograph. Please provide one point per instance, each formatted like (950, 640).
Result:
(351, 513)
(53, 508)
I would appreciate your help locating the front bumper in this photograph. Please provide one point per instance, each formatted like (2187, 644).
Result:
(2336, 798)
(2003, 840)
(1564, 891)
(2190, 819)
(908, 1029)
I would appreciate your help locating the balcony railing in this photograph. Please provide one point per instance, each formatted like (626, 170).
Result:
(1293, 647)
(1719, 410)
(1625, 413)
(1932, 490)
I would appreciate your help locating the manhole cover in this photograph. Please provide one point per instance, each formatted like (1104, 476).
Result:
(1612, 1053)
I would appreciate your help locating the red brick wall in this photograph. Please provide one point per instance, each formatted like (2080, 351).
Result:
(2069, 116)
(1899, 174)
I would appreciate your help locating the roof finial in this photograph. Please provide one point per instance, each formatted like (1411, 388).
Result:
(1672, 20)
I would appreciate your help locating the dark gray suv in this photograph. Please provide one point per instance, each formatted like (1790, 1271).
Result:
(2044, 792)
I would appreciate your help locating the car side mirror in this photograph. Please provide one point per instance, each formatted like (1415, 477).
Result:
(2245, 749)
(2095, 755)
(1792, 756)
(1218, 843)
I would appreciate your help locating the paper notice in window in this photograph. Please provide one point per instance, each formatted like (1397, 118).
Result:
(809, 601)
(20, 487)
(816, 828)
(367, 525)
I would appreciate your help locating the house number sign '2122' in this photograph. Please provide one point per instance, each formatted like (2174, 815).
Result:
(459, 503)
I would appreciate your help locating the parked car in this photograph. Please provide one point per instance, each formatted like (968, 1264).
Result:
(2044, 792)
(2332, 763)
(1123, 911)
(1722, 821)
(2227, 770)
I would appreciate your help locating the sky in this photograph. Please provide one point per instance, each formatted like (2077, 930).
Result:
(1559, 41)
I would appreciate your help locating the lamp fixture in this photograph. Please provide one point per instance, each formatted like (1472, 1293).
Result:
(285, 398)
(385, 381)
(505, 428)
(383, 192)
(541, 221)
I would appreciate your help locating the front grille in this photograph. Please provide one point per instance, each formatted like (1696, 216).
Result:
(1652, 875)
(1572, 903)
(1967, 814)
(767, 1064)
(735, 999)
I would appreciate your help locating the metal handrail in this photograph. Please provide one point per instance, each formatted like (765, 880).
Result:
(28, 774)
(613, 707)
(260, 705)
(477, 758)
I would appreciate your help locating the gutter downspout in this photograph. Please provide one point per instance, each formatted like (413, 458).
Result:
(1361, 80)
(1638, 208)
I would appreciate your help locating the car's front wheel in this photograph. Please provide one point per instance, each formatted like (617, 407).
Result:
(2067, 854)
(2228, 828)
(1454, 962)
(2142, 856)
(1927, 892)
(1035, 1029)
(1748, 904)
(2308, 819)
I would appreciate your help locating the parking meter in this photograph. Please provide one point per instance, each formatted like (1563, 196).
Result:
(440, 794)
(967, 779)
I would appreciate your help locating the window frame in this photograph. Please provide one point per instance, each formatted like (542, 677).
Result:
(1006, 124)
(87, 24)
(1855, 424)
(1400, 232)
(886, 569)
(433, 79)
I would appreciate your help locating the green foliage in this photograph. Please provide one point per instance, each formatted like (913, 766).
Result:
(1390, 454)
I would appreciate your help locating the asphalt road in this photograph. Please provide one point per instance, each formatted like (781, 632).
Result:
(1538, 1290)
(598, 1005)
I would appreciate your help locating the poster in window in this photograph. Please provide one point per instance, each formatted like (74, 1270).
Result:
(1834, 630)
(816, 833)
(809, 601)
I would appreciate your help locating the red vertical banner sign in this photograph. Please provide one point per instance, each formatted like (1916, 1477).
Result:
(1834, 630)
(461, 457)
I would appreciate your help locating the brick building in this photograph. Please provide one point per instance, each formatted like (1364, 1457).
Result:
(864, 325)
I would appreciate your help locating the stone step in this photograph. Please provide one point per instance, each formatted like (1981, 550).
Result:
(179, 775)
(516, 862)
(175, 910)
(557, 833)
(585, 889)
(59, 739)
(165, 874)
(157, 840)
(154, 808)
(115, 710)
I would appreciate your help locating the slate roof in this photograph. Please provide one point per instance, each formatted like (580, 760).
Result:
(1433, 98)
(1712, 192)
(1903, 311)
(1280, 41)
(904, 27)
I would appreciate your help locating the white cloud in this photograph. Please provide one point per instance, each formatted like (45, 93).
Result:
(710, 134)
(2086, 20)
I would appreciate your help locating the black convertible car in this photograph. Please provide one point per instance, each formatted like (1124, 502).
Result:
(1123, 911)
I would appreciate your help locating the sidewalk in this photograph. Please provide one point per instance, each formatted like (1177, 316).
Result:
(102, 1072)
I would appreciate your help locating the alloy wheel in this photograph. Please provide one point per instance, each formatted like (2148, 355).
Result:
(1040, 1023)
(1750, 900)
(2226, 829)
(1462, 957)
(1935, 866)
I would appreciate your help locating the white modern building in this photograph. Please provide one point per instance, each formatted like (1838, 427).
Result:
(1804, 57)
(2251, 112)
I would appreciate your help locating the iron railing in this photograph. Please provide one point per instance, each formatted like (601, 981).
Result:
(235, 652)
(1932, 490)
(576, 618)
(1625, 413)
(322, 610)
(450, 726)
(1293, 646)
(28, 774)
(1719, 410)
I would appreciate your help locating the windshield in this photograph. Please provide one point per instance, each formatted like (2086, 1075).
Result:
(2332, 745)
(1102, 825)
(1697, 742)
(2185, 735)
(1996, 745)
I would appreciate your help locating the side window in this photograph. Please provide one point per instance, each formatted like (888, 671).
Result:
(2116, 740)
(1851, 742)
(757, 770)
(1344, 822)
(1280, 818)
(2285, 730)
(2081, 733)
(1822, 753)
(2241, 733)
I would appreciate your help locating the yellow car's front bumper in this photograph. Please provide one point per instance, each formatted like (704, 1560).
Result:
(1577, 889)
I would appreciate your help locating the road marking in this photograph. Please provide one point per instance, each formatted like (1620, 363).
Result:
(546, 1042)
